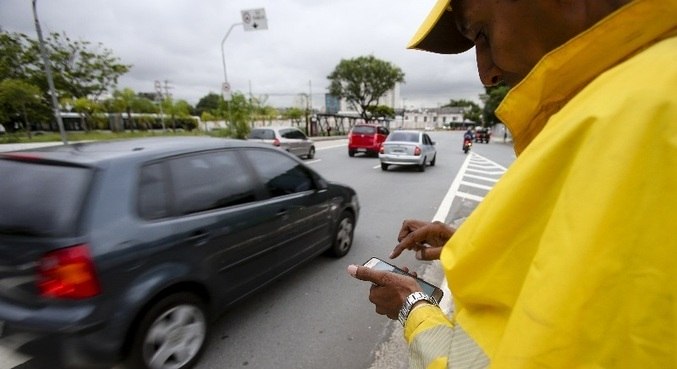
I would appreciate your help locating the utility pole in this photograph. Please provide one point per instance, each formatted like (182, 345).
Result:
(167, 88)
(48, 72)
(159, 98)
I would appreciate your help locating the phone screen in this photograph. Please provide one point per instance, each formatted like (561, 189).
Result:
(428, 289)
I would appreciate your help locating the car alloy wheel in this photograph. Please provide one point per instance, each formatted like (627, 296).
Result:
(343, 237)
(171, 335)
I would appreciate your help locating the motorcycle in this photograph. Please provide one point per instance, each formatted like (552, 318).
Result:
(467, 144)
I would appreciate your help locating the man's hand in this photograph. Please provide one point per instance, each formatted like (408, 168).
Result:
(388, 291)
(426, 238)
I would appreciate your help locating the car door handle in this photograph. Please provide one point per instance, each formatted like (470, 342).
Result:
(198, 238)
(283, 213)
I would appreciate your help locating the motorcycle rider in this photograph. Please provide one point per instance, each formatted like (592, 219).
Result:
(468, 137)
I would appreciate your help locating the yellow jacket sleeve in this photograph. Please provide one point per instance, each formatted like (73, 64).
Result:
(435, 342)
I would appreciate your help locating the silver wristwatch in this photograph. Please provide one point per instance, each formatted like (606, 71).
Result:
(409, 303)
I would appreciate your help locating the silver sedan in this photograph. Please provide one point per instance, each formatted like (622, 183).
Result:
(408, 148)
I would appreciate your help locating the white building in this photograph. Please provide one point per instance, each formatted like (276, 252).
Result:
(434, 118)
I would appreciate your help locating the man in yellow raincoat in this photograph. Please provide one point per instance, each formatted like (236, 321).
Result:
(571, 260)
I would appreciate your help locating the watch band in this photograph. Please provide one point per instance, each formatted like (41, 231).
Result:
(411, 300)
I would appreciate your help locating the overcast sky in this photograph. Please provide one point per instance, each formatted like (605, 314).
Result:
(180, 41)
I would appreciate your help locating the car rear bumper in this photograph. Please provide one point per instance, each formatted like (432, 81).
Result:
(83, 341)
(400, 159)
(363, 148)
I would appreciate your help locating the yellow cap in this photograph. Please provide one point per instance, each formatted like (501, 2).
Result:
(438, 33)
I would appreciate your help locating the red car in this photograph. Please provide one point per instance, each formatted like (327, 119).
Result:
(366, 138)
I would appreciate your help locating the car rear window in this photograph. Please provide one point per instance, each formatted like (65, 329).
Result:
(364, 130)
(39, 199)
(262, 134)
(404, 136)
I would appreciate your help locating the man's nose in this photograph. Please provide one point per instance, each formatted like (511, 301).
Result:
(490, 74)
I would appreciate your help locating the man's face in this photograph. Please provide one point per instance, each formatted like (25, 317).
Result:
(510, 36)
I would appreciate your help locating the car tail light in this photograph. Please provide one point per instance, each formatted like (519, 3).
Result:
(68, 273)
(417, 151)
(382, 150)
(276, 142)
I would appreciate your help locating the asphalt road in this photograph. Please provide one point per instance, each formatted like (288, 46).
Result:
(317, 316)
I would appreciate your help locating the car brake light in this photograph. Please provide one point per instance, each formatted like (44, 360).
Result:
(381, 150)
(68, 273)
(417, 151)
(276, 142)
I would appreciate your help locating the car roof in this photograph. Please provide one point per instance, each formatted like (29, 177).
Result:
(277, 128)
(410, 131)
(95, 152)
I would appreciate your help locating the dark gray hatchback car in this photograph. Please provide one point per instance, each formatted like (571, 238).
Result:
(126, 249)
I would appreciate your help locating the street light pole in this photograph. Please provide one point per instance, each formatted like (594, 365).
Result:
(223, 54)
(226, 85)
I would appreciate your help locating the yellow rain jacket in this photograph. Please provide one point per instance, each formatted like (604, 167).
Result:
(571, 260)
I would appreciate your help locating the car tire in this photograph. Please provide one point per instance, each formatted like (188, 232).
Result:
(432, 162)
(343, 235)
(421, 167)
(351, 153)
(311, 153)
(172, 334)
(384, 166)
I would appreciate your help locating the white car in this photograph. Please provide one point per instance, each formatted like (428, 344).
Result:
(408, 148)
(290, 139)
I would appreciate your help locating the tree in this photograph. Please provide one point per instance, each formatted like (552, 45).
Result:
(20, 99)
(210, 103)
(81, 70)
(294, 114)
(239, 112)
(382, 111)
(13, 56)
(83, 107)
(124, 101)
(362, 81)
(178, 109)
(495, 95)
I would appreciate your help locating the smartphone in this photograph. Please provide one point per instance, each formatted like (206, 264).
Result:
(428, 289)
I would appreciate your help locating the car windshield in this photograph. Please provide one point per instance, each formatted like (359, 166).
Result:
(262, 134)
(364, 130)
(40, 200)
(404, 136)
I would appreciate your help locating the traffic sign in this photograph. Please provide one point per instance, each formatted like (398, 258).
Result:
(225, 88)
(254, 19)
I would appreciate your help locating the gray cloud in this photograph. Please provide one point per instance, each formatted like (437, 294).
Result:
(180, 41)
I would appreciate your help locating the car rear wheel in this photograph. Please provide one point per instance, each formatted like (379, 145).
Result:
(384, 166)
(311, 153)
(432, 162)
(171, 335)
(421, 167)
(351, 153)
(343, 235)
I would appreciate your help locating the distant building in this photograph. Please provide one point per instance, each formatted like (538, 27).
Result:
(334, 105)
(435, 118)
